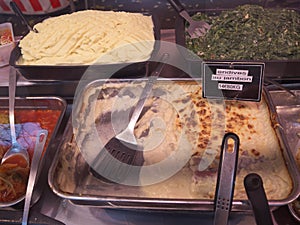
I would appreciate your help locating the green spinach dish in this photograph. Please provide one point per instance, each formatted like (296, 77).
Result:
(249, 32)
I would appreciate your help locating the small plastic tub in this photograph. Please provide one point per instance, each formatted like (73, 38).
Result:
(7, 43)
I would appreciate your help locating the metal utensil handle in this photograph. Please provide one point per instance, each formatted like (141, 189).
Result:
(280, 86)
(146, 91)
(38, 150)
(181, 10)
(257, 196)
(19, 13)
(176, 5)
(226, 178)
(11, 106)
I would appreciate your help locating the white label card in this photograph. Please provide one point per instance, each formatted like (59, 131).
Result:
(235, 78)
(232, 72)
(227, 86)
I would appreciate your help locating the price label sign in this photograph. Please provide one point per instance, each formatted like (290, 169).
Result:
(233, 80)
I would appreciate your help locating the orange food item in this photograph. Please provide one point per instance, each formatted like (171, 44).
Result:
(17, 159)
(13, 181)
(6, 37)
(13, 175)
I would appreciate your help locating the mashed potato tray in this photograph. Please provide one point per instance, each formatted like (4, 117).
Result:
(75, 72)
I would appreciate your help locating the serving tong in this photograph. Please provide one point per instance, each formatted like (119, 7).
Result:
(196, 28)
(226, 178)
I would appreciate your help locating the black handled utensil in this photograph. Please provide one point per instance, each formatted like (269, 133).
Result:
(196, 28)
(226, 178)
(19, 13)
(257, 197)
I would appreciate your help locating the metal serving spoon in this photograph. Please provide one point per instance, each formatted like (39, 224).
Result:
(226, 178)
(38, 150)
(16, 153)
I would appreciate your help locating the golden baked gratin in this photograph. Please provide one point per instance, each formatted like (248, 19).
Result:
(177, 118)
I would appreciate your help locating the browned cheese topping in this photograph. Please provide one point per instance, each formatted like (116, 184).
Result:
(178, 110)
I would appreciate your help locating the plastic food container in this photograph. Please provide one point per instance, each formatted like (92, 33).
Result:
(7, 43)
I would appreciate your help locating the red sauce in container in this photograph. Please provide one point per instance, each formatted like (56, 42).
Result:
(13, 176)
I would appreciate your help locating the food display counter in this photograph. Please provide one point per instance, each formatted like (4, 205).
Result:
(87, 204)
(51, 209)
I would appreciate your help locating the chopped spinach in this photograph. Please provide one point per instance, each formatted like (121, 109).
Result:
(249, 32)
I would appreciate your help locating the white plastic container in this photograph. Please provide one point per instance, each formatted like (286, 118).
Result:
(7, 43)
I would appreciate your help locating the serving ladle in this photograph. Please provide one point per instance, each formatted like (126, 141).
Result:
(16, 153)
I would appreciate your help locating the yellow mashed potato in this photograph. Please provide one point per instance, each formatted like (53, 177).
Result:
(87, 37)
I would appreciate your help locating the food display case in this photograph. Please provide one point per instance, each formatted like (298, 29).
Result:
(70, 189)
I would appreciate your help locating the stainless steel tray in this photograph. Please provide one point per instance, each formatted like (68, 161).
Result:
(31, 104)
(288, 111)
(87, 189)
(287, 107)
